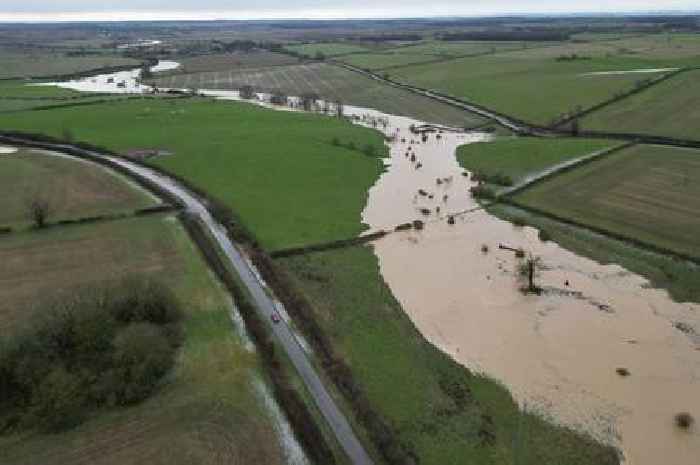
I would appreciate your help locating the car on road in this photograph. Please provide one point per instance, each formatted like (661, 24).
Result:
(275, 318)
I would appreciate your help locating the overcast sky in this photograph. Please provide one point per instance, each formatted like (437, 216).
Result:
(61, 10)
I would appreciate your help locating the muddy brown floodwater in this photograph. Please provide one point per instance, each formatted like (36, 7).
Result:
(557, 353)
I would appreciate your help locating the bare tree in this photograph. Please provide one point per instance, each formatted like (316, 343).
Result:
(339, 109)
(38, 210)
(247, 92)
(529, 269)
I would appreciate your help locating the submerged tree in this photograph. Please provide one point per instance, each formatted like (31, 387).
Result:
(529, 270)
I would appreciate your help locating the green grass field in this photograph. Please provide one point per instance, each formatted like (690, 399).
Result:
(24, 63)
(278, 170)
(533, 85)
(460, 48)
(329, 82)
(378, 61)
(74, 189)
(670, 109)
(328, 48)
(645, 192)
(207, 410)
(416, 387)
(519, 158)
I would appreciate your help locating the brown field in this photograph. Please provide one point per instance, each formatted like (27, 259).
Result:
(329, 82)
(226, 61)
(73, 188)
(646, 192)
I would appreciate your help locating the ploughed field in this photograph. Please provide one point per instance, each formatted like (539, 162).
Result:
(207, 410)
(329, 82)
(294, 179)
(226, 61)
(74, 189)
(645, 193)
(670, 109)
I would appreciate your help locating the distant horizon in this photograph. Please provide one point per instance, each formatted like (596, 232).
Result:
(320, 15)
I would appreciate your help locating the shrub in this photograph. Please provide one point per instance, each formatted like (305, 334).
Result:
(518, 221)
(684, 420)
(141, 356)
(544, 236)
(484, 248)
(483, 192)
(369, 150)
(335, 142)
(104, 347)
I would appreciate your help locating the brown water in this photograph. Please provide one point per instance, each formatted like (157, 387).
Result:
(557, 353)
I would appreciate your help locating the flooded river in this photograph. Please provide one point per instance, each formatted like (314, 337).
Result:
(558, 353)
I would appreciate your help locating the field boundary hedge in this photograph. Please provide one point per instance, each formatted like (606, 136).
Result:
(617, 98)
(632, 241)
(339, 244)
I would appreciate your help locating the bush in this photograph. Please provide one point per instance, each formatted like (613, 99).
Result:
(519, 221)
(483, 192)
(369, 150)
(684, 420)
(142, 355)
(544, 236)
(98, 348)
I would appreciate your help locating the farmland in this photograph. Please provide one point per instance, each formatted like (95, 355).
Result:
(378, 61)
(521, 157)
(206, 409)
(260, 162)
(539, 84)
(73, 189)
(227, 61)
(22, 64)
(441, 412)
(329, 82)
(645, 193)
(670, 109)
(327, 49)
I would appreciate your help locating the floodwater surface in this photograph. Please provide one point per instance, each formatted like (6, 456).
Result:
(558, 353)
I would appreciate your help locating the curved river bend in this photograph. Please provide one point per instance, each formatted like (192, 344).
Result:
(557, 353)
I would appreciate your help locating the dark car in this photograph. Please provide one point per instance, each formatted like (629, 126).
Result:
(275, 318)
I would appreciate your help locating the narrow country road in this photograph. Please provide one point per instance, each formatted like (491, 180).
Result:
(265, 306)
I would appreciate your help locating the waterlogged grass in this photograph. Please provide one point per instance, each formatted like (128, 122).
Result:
(519, 158)
(442, 412)
(678, 277)
(73, 189)
(670, 109)
(278, 170)
(206, 410)
(645, 192)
